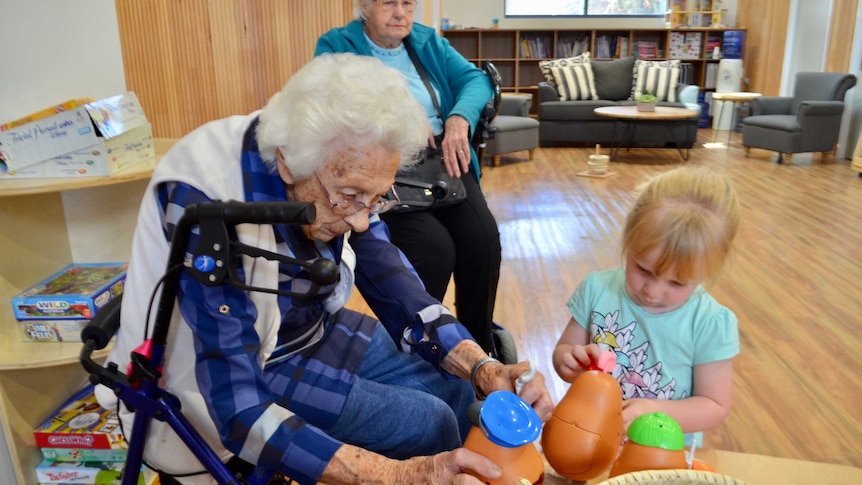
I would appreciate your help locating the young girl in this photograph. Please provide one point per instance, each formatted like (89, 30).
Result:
(674, 343)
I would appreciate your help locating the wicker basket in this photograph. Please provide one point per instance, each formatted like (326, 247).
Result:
(672, 477)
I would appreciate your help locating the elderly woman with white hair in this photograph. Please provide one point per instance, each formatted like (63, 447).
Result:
(308, 388)
(458, 242)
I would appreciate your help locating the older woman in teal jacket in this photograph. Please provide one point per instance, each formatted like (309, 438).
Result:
(463, 239)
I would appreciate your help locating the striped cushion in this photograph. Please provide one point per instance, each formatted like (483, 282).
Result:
(574, 82)
(659, 78)
(583, 61)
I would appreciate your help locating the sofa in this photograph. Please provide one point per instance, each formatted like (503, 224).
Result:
(571, 120)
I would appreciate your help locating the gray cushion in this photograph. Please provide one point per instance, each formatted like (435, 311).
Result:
(613, 78)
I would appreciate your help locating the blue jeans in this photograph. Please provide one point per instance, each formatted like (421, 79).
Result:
(400, 406)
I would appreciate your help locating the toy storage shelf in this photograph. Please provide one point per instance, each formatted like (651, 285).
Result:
(46, 224)
(517, 52)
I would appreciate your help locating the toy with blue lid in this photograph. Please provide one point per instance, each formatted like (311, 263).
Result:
(504, 429)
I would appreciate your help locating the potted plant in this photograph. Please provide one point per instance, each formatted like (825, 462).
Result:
(646, 101)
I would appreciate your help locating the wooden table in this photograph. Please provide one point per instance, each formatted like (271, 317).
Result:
(756, 470)
(733, 98)
(630, 116)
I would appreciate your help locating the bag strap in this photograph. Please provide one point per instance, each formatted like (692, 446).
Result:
(424, 75)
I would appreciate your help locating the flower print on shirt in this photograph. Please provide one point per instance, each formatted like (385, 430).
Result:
(636, 381)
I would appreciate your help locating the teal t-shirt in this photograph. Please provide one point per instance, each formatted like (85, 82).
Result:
(656, 354)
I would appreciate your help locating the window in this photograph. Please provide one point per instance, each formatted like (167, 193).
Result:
(581, 8)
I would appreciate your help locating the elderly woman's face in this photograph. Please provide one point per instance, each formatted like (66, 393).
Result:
(388, 22)
(348, 176)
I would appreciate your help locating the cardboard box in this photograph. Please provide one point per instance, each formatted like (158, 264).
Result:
(97, 473)
(96, 139)
(77, 455)
(52, 330)
(99, 160)
(76, 292)
(81, 423)
(38, 115)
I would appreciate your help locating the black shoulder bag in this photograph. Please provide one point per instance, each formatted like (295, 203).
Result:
(427, 184)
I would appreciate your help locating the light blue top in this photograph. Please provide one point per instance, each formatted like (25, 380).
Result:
(399, 59)
(656, 354)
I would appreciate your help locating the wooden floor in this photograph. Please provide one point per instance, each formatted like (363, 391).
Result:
(795, 281)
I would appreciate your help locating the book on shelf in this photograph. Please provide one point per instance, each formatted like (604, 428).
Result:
(686, 73)
(676, 45)
(711, 75)
(647, 50)
(570, 47)
(533, 47)
(622, 46)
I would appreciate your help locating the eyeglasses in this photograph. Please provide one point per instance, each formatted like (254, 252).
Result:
(391, 5)
(348, 207)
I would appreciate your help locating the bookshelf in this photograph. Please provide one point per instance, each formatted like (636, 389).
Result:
(694, 14)
(517, 52)
(46, 224)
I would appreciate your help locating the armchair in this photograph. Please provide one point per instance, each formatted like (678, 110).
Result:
(513, 129)
(808, 121)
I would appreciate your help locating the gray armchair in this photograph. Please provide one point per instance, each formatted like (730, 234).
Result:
(513, 129)
(806, 122)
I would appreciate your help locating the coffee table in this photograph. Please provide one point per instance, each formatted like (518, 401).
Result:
(629, 116)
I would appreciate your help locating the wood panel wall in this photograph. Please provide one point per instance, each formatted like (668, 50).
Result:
(193, 61)
(841, 32)
(766, 24)
(765, 39)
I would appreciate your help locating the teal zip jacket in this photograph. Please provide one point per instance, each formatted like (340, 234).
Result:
(464, 88)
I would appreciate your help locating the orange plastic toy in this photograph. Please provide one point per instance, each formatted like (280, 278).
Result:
(504, 429)
(583, 436)
(656, 442)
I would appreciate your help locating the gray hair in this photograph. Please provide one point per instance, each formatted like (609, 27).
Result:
(338, 102)
(359, 7)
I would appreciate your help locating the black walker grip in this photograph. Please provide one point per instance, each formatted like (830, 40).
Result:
(104, 324)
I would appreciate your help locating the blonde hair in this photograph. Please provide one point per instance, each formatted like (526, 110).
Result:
(691, 216)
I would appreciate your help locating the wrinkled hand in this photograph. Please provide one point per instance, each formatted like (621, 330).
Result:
(456, 146)
(574, 363)
(448, 467)
(632, 408)
(500, 377)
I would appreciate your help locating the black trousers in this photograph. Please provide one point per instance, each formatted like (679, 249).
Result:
(461, 240)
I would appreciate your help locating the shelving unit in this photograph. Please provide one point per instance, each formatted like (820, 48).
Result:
(694, 14)
(517, 52)
(46, 224)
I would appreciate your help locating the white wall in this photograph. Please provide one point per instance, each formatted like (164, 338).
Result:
(479, 13)
(54, 50)
(807, 40)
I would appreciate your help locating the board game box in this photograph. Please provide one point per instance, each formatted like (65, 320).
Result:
(52, 330)
(77, 455)
(75, 292)
(98, 473)
(81, 423)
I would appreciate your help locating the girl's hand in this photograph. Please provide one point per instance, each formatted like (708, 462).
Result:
(577, 360)
(632, 408)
